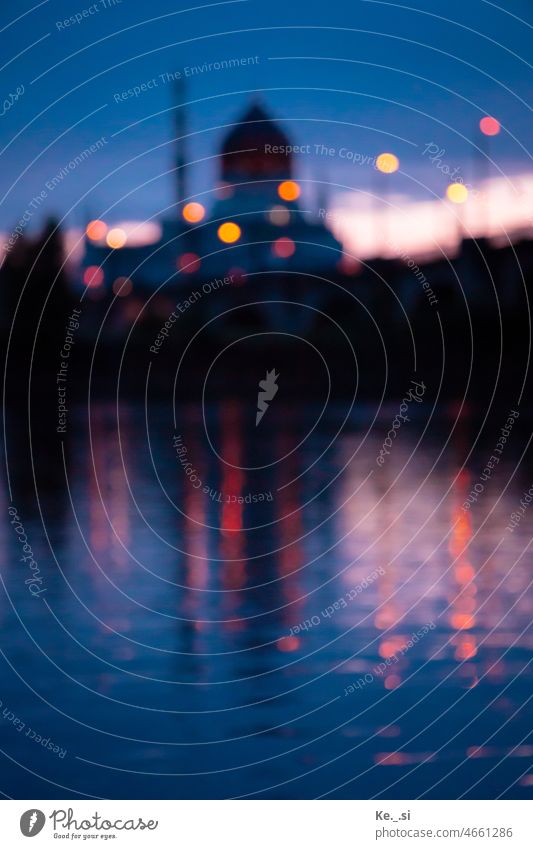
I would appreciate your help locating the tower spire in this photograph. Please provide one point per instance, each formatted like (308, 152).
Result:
(322, 190)
(180, 129)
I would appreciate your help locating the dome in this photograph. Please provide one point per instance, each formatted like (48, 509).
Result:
(251, 150)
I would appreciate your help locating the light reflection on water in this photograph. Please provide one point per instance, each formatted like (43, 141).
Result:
(169, 643)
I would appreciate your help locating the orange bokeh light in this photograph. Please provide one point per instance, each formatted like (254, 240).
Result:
(193, 212)
(288, 644)
(116, 238)
(464, 573)
(391, 758)
(289, 190)
(489, 126)
(466, 650)
(387, 163)
(283, 247)
(229, 232)
(391, 646)
(96, 230)
(462, 621)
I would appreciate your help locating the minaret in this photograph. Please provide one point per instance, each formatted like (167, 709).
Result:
(322, 193)
(180, 129)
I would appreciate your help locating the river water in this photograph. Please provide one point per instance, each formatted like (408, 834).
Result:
(282, 618)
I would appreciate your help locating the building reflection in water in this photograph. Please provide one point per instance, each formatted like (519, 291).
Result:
(184, 609)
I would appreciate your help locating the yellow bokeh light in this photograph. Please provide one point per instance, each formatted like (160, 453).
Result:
(96, 230)
(229, 232)
(457, 193)
(387, 163)
(193, 212)
(116, 238)
(289, 190)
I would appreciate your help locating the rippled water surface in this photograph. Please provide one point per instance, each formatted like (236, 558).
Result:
(282, 618)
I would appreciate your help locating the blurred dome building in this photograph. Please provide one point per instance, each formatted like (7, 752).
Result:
(257, 214)
(255, 148)
(255, 226)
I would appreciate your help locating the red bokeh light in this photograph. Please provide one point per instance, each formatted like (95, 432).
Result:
(122, 287)
(489, 126)
(189, 263)
(349, 265)
(238, 275)
(93, 276)
(284, 247)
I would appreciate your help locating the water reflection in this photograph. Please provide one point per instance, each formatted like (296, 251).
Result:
(198, 640)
